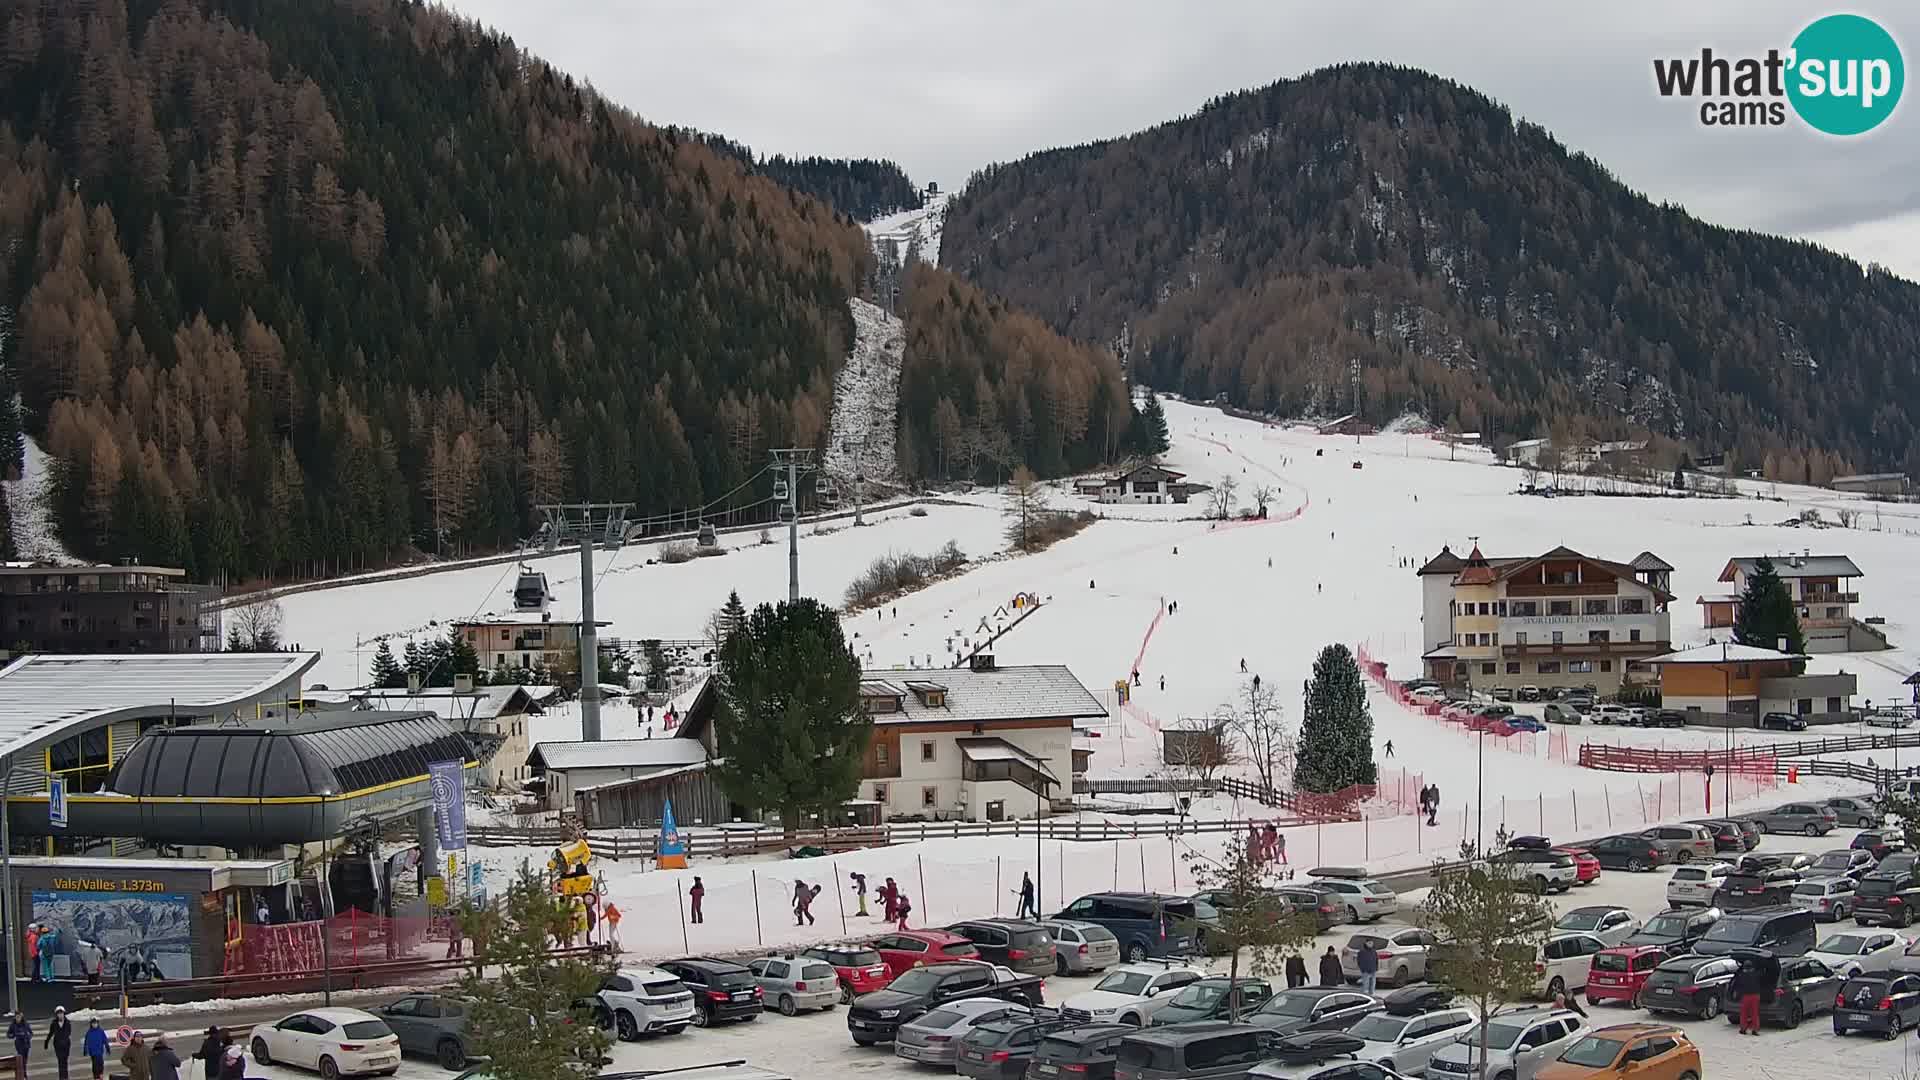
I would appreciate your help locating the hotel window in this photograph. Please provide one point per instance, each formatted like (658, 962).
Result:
(1549, 667)
(1486, 608)
(1579, 667)
(1606, 665)
(1520, 638)
(1834, 612)
(1513, 667)
(1559, 637)
(1500, 608)
(1487, 669)
(1599, 637)
(1485, 639)
(1599, 607)
(1632, 605)
(1559, 607)
(1526, 608)
(929, 796)
(926, 750)
(1633, 635)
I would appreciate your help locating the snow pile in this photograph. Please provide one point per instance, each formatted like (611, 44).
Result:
(917, 232)
(866, 396)
(29, 502)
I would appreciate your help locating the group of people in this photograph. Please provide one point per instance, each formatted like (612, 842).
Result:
(142, 1060)
(1266, 845)
(1430, 803)
(44, 942)
(894, 904)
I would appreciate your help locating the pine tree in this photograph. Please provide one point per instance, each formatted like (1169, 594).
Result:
(462, 659)
(387, 674)
(1766, 612)
(1153, 438)
(734, 614)
(1336, 730)
(414, 661)
(790, 729)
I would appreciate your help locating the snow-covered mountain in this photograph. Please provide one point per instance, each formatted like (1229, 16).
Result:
(866, 398)
(915, 232)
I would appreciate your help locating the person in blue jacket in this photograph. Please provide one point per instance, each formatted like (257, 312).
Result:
(95, 1047)
(21, 1033)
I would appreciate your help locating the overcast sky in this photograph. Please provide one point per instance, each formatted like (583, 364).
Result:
(945, 88)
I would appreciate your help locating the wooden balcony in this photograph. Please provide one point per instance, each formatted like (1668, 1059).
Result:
(1819, 597)
(1585, 648)
(1580, 588)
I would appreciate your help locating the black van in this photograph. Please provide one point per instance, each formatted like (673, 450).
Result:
(1147, 924)
(1781, 930)
(1206, 1050)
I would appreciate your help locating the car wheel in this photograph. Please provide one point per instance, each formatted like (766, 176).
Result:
(1839, 912)
(1710, 1007)
(1893, 1030)
(329, 1069)
(1689, 1076)
(260, 1054)
(846, 993)
(1796, 1012)
(1130, 1020)
(1137, 952)
(1636, 865)
(627, 1028)
(1683, 856)
(1352, 915)
(701, 1018)
(450, 1056)
(1557, 987)
(1059, 965)
(1401, 975)
(1864, 823)
(1539, 885)
(787, 1007)
(1764, 827)
(1812, 830)
(1858, 921)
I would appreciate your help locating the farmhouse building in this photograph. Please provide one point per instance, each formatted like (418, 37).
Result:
(1823, 593)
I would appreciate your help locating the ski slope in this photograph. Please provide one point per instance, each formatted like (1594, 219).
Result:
(916, 231)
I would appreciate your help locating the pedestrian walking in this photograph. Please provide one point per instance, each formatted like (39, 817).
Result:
(1028, 909)
(1163, 683)
(33, 951)
(1279, 847)
(21, 1033)
(889, 901)
(137, 1058)
(233, 1064)
(212, 1049)
(1296, 971)
(613, 926)
(696, 893)
(60, 1038)
(903, 907)
(1243, 665)
(803, 895)
(1330, 973)
(165, 1063)
(1389, 747)
(860, 892)
(95, 1047)
(1369, 964)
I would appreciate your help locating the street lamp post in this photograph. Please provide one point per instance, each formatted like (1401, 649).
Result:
(1480, 799)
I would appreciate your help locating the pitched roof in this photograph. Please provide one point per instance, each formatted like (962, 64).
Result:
(1506, 568)
(618, 754)
(484, 703)
(1647, 560)
(1728, 653)
(1139, 471)
(1475, 571)
(991, 749)
(1035, 692)
(1796, 566)
(1444, 563)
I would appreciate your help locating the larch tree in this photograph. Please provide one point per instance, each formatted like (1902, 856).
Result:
(1026, 509)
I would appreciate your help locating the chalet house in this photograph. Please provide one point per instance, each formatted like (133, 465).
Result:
(1891, 483)
(1745, 682)
(980, 743)
(1146, 484)
(523, 639)
(1556, 619)
(1823, 593)
(1350, 424)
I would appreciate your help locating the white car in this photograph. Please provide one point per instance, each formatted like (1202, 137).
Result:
(1426, 694)
(1694, 886)
(644, 1001)
(1611, 714)
(1562, 963)
(1610, 924)
(1520, 1041)
(1402, 950)
(1855, 951)
(333, 1042)
(1365, 899)
(1830, 899)
(1405, 1043)
(1129, 994)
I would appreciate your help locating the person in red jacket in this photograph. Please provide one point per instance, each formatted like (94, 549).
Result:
(694, 895)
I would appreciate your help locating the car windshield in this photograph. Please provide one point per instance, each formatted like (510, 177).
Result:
(940, 1018)
(1847, 944)
(1097, 933)
(1690, 873)
(366, 1029)
(1500, 1036)
(1379, 1027)
(1593, 1051)
(1579, 920)
(1201, 995)
(1205, 911)
(1737, 931)
(916, 982)
(1290, 1004)
(1838, 860)
(1666, 926)
(1812, 888)
(1125, 982)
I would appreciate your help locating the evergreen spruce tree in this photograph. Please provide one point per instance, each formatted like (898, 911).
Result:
(235, 643)
(733, 615)
(387, 674)
(1766, 612)
(462, 659)
(1153, 438)
(413, 661)
(790, 730)
(1336, 730)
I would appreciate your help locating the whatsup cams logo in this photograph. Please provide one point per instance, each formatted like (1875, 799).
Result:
(1842, 75)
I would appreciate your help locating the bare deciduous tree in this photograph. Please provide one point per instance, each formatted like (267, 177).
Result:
(1192, 754)
(1262, 498)
(1256, 719)
(255, 627)
(1223, 496)
(1026, 507)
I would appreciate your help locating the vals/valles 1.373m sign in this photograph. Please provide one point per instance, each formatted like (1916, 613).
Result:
(1842, 75)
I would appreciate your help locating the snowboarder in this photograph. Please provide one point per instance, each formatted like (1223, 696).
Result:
(95, 1047)
(1330, 973)
(803, 895)
(695, 895)
(1269, 562)
(1136, 676)
(1389, 747)
(1027, 907)
(903, 907)
(860, 892)
(1317, 587)
(1296, 971)
(896, 613)
(60, 1037)
(1089, 583)
(1176, 549)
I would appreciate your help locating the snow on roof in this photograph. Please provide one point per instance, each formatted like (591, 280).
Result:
(618, 754)
(990, 749)
(1035, 692)
(42, 696)
(522, 618)
(650, 774)
(484, 703)
(1728, 599)
(1796, 566)
(1868, 478)
(1729, 653)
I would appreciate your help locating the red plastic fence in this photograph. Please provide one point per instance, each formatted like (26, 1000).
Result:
(357, 937)
(1643, 759)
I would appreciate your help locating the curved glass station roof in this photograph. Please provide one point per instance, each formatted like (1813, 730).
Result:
(330, 757)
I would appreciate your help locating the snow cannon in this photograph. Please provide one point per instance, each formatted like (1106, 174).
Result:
(564, 859)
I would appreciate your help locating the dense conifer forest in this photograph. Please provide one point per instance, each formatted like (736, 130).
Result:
(861, 188)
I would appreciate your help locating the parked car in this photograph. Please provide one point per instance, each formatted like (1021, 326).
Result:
(1669, 718)
(1800, 817)
(1885, 1003)
(432, 1026)
(1855, 811)
(1676, 929)
(1608, 922)
(1899, 864)
(933, 1037)
(1779, 931)
(1525, 722)
(904, 950)
(1586, 867)
(1683, 843)
(1727, 835)
(1548, 870)
(1806, 987)
(1502, 693)
(1024, 946)
(1366, 900)
(1001, 1049)
(1562, 712)
(1783, 721)
(860, 970)
(332, 1042)
(1647, 1051)
(1843, 862)
(1204, 1051)
(1768, 888)
(1519, 1043)
(1689, 985)
(1562, 962)
(722, 990)
(1327, 909)
(1086, 1052)
(1612, 715)
(1405, 1041)
(1131, 993)
(1210, 999)
(1886, 899)
(1776, 860)
(1419, 998)
(1887, 718)
(1853, 952)
(1878, 844)
(1080, 947)
(792, 983)
(1529, 693)
(1146, 924)
(1618, 974)
(1751, 828)
(1402, 951)
(1314, 1008)
(1829, 898)
(1697, 883)
(876, 1017)
(643, 1001)
(1634, 853)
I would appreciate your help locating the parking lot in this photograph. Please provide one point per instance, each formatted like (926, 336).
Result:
(817, 1045)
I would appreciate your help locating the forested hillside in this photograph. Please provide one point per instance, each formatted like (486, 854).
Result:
(861, 188)
(1476, 270)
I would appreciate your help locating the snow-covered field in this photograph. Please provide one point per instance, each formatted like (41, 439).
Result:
(34, 536)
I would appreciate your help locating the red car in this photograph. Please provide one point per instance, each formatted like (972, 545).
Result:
(860, 971)
(904, 950)
(1618, 974)
(1586, 866)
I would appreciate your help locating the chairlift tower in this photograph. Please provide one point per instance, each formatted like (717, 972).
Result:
(857, 448)
(796, 463)
(588, 523)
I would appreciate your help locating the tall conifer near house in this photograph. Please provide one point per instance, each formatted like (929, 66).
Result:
(1766, 612)
(1336, 730)
(386, 673)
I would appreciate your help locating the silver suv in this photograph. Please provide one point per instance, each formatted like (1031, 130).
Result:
(1519, 1043)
